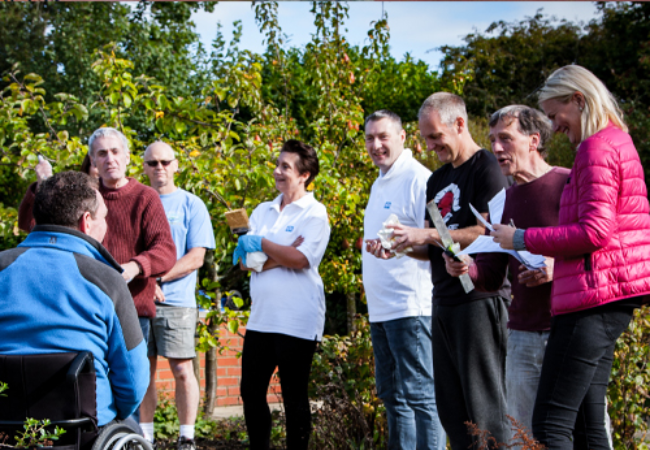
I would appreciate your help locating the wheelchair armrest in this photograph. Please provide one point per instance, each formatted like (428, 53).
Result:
(83, 360)
(66, 424)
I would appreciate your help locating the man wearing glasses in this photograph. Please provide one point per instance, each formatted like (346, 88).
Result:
(173, 328)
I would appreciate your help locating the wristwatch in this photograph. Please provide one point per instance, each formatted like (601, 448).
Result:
(159, 281)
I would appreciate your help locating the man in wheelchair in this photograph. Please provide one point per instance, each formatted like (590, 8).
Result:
(61, 294)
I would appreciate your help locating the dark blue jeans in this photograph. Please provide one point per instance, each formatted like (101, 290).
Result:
(570, 406)
(404, 376)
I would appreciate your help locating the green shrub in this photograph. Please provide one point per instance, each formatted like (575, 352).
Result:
(628, 400)
(349, 413)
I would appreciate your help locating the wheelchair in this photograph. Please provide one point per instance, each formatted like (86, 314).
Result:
(59, 387)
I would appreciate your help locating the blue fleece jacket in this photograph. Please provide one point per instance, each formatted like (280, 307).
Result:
(61, 291)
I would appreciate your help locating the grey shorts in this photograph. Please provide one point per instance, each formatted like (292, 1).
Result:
(172, 332)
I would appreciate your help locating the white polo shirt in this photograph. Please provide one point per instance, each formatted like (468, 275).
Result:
(290, 301)
(398, 287)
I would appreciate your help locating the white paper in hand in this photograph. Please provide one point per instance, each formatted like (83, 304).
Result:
(486, 244)
(480, 218)
(495, 206)
(256, 260)
(386, 236)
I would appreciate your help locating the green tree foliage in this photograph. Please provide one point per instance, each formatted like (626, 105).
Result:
(510, 61)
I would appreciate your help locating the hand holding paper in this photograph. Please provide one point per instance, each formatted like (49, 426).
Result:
(386, 235)
(503, 235)
(485, 244)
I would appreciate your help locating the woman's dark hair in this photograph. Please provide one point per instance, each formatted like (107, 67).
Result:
(307, 161)
(64, 197)
(86, 164)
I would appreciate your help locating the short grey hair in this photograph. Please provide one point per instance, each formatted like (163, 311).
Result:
(106, 132)
(385, 114)
(449, 107)
(529, 121)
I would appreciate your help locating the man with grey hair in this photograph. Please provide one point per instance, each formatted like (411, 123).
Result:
(519, 136)
(138, 236)
(398, 291)
(469, 329)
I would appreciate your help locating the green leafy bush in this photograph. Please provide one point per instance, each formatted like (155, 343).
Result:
(349, 415)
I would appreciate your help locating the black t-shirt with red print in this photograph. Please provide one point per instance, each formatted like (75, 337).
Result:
(475, 181)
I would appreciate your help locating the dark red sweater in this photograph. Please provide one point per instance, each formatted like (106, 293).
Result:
(138, 230)
(25, 217)
(533, 204)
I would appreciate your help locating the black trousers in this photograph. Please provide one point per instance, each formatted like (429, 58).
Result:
(469, 365)
(569, 410)
(262, 353)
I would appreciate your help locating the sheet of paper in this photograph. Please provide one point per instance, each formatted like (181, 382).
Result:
(531, 261)
(495, 206)
(480, 218)
(486, 244)
(482, 244)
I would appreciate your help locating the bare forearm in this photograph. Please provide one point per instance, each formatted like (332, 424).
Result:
(420, 253)
(285, 255)
(466, 236)
(190, 262)
(270, 264)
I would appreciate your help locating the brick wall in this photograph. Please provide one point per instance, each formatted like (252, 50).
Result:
(228, 374)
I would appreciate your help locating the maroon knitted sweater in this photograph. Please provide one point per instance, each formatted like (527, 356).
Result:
(25, 217)
(533, 204)
(138, 231)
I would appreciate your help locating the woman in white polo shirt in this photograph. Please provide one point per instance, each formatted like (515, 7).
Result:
(288, 310)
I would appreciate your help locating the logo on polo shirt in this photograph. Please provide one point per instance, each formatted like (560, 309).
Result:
(53, 240)
(174, 217)
(289, 229)
(387, 205)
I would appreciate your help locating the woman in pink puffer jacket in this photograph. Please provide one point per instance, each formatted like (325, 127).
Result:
(601, 248)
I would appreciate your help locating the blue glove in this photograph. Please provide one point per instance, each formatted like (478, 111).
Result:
(239, 253)
(250, 243)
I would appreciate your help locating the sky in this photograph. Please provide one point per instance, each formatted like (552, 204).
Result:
(416, 27)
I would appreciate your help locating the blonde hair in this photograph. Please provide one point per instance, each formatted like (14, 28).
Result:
(600, 105)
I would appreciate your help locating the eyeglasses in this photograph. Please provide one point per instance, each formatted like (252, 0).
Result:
(155, 163)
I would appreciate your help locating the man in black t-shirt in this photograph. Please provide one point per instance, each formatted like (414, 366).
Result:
(469, 329)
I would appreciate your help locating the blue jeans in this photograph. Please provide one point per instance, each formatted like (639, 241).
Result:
(523, 369)
(404, 375)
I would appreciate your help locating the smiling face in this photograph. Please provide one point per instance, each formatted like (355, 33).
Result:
(110, 159)
(160, 176)
(565, 117)
(440, 138)
(384, 143)
(513, 149)
(287, 178)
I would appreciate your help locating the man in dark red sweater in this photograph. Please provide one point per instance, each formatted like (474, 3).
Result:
(138, 234)
(519, 135)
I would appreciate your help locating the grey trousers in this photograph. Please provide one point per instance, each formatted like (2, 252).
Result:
(469, 362)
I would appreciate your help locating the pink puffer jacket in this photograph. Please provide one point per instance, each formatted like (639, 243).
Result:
(602, 242)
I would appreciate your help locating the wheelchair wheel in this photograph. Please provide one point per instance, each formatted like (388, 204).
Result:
(116, 433)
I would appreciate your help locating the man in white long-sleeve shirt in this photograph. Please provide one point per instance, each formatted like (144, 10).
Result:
(399, 291)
